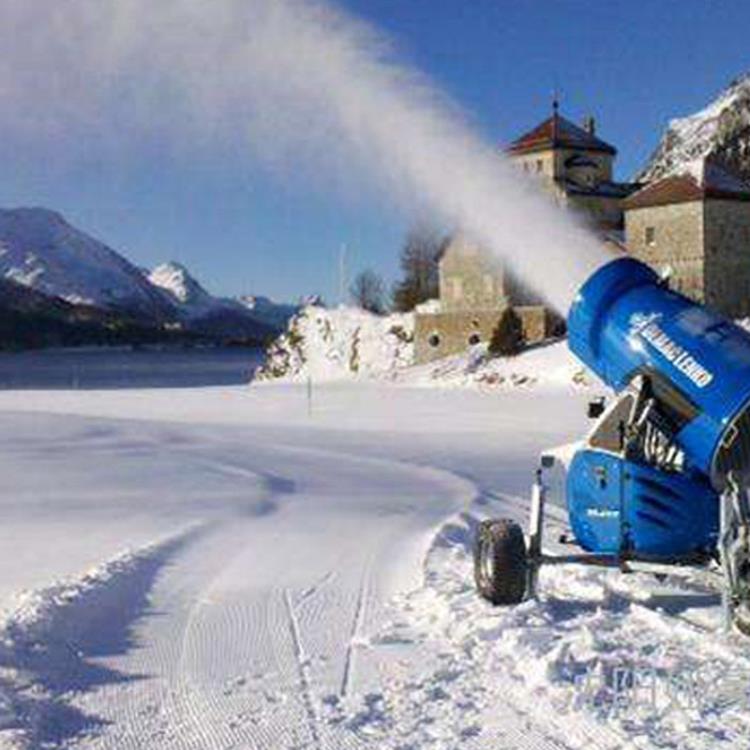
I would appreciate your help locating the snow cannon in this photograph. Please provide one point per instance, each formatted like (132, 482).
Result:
(661, 479)
(626, 325)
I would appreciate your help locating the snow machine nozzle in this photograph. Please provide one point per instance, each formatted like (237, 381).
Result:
(625, 323)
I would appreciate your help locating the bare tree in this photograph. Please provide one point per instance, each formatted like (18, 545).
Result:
(419, 265)
(368, 292)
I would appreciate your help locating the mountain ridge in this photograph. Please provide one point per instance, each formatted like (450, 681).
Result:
(721, 131)
(41, 251)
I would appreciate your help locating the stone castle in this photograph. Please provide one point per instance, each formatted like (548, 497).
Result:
(697, 224)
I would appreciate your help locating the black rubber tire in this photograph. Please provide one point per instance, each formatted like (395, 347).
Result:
(500, 562)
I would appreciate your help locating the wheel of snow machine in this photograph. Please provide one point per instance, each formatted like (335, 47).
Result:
(500, 566)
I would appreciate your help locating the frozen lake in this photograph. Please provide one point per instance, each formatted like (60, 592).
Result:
(126, 368)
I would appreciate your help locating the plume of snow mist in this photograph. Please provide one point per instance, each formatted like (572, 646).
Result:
(287, 78)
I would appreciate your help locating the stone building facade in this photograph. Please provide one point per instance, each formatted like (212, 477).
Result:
(575, 167)
(697, 225)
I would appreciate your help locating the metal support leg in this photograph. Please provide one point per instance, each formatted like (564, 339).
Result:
(536, 525)
(734, 547)
(726, 515)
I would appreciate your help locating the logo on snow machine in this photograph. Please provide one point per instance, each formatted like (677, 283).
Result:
(602, 512)
(647, 328)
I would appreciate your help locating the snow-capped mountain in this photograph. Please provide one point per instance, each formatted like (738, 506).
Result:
(198, 308)
(720, 130)
(185, 293)
(41, 250)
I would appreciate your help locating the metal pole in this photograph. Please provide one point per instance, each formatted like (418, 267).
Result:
(342, 274)
(536, 524)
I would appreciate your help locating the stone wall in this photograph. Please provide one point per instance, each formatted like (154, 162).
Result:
(727, 263)
(672, 236)
(441, 334)
(550, 164)
(539, 164)
(537, 322)
(469, 278)
(706, 244)
(598, 211)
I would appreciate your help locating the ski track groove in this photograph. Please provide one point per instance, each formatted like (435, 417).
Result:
(357, 624)
(203, 710)
(304, 672)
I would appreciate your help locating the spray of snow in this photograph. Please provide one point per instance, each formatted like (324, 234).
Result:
(293, 79)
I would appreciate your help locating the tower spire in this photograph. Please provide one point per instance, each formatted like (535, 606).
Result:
(555, 114)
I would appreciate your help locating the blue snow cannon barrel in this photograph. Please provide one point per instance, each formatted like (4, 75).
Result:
(625, 322)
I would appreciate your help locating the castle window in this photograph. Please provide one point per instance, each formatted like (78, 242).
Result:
(474, 339)
(650, 236)
(434, 340)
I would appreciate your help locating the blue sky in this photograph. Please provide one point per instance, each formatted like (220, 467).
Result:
(242, 230)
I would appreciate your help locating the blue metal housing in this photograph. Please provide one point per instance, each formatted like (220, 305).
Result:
(624, 321)
(620, 506)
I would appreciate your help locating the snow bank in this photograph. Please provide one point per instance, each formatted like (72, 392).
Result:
(619, 661)
(549, 365)
(48, 638)
(348, 343)
(341, 343)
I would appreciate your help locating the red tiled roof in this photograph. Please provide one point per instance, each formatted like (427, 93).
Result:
(557, 132)
(716, 182)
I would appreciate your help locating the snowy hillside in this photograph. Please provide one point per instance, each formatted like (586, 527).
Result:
(348, 343)
(39, 249)
(545, 365)
(721, 129)
(341, 343)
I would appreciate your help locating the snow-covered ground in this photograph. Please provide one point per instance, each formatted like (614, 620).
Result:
(248, 567)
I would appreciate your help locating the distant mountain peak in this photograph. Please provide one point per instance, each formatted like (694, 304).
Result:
(177, 281)
(720, 130)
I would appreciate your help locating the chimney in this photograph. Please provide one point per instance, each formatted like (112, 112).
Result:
(589, 125)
